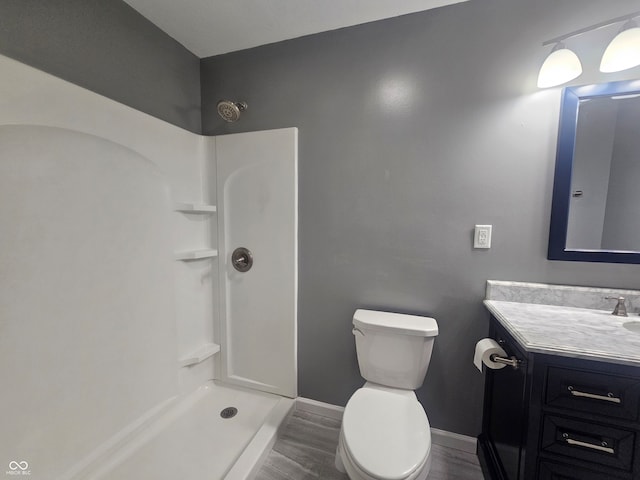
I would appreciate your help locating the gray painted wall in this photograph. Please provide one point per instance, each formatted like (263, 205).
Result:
(107, 47)
(412, 130)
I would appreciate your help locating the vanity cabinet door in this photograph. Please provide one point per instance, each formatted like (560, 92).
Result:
(505, 411)
(593, 392)
(507, 419)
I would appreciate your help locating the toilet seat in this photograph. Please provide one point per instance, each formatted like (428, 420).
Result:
(349, 466)
(386, 434)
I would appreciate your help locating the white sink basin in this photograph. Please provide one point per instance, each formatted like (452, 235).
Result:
(632, 326)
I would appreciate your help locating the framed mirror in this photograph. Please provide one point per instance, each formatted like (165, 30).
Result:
(595, 212)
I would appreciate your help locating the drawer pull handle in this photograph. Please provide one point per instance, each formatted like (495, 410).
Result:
(608, 398)
(578, 443)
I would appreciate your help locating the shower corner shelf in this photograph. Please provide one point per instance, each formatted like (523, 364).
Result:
(196, 255)
(195, 208)
(199, 355)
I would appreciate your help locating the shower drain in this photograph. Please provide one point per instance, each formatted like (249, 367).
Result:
(229, 412)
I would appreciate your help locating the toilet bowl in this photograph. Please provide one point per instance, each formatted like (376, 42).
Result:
(385, 435)
(385, 432)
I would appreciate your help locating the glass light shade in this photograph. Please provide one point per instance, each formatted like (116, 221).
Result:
(561, 66)
(623, 52)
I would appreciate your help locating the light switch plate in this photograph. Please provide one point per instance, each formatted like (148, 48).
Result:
(482, 236)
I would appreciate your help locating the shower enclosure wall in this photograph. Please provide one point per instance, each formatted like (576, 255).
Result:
(117, 305)
(257, 210)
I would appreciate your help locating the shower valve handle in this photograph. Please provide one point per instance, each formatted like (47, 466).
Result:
(242, 259)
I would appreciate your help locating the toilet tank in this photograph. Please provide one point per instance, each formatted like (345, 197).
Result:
(393, 349)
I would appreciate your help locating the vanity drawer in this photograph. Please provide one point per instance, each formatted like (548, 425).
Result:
(593, 392)
(555, 471)
(588, 441)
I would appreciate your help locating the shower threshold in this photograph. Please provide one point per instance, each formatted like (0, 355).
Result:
(192, 440)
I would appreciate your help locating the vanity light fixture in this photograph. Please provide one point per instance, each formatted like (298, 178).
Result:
(624, 50)
(563, 65)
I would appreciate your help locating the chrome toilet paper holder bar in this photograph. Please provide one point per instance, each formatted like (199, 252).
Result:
(512, 361)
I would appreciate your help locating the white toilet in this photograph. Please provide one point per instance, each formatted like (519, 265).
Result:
(385, 432)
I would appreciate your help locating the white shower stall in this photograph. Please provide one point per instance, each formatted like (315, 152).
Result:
(124, 328)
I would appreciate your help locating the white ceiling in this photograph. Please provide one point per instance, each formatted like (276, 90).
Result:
(212, 27)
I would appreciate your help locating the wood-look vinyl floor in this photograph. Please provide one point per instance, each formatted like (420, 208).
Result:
(307, 445)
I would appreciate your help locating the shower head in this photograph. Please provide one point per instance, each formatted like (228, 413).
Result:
(230, 111)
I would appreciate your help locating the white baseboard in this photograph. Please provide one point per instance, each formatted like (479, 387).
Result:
(319, 408)
(453, 440)
(438, 437)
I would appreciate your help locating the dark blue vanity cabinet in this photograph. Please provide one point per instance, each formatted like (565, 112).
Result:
(559, 418)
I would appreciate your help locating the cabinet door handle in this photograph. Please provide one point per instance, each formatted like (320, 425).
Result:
(601, 448)
(608, 398)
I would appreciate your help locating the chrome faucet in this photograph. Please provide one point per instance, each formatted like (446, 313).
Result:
(621, 309)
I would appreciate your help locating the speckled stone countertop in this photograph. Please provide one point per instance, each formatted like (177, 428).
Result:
(569, 331)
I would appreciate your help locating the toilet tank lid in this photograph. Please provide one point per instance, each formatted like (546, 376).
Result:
(397, 322)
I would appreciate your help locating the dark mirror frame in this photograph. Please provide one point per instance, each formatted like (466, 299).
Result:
(571, 97)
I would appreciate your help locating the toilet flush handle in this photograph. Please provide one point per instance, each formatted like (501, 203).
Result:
(357, 330)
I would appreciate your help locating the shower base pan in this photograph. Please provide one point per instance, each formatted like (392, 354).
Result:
(193, 439)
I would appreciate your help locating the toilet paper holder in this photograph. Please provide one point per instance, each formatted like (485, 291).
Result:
(512, 361)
